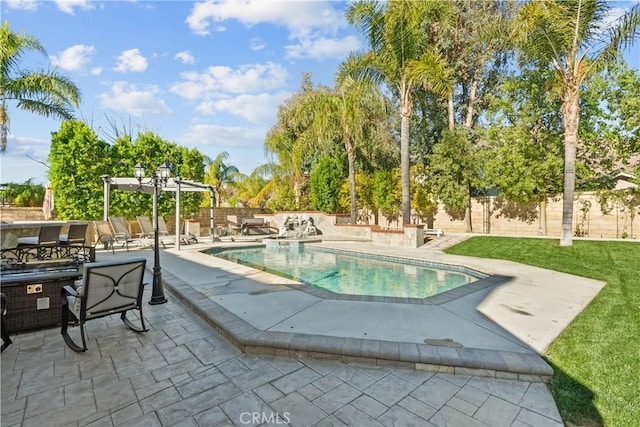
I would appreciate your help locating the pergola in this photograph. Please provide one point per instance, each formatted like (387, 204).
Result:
(176, 185)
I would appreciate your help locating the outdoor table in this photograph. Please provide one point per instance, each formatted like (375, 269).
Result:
(33, 294)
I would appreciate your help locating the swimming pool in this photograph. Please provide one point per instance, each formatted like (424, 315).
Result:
(352, 273)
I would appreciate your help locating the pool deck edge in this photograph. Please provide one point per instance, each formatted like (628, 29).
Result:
(438, 358)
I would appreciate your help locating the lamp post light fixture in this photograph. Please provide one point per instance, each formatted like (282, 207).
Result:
(159, 178)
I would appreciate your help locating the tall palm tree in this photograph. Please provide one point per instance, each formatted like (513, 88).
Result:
(401, 57)
(46, 93)
(220, 175)
(572, 37)
(349, 114)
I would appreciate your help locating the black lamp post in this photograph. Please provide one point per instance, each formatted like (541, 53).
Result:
(159, 177)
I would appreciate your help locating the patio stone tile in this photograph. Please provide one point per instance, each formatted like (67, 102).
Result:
(390, 390)
(419, 408)
(60, 417)
(352, 416)
(462, 406)
(448, 416)
(538, 399)
(126, 414)
(212, 417)
(159, 400)
(328, 382)
(241, 408)
(299, 410)
(148, 420)
(104, 421)
(96, 366)
(533, 419)
(130, 369)
(112, 393)
(256, 377)
(509, 390)
(193, 405)
(375, 372)
(331, 421)
(337, 398)
(369, 406)
(45, 401)
(457, 379)
(189, 388)
(232, 368)
(191, 336)
(355, 378)
(310, 391)
(164, 372)
(176, 354)
(268, 393)
(283, 364)
(296, 380)
(413, 376)
(323, 367)
(398, 416)
(497, 411)
(472, 395)
(435, 392)
(13, 411)
(79, 392)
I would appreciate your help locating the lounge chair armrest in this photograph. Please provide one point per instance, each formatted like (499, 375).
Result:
(69, 290)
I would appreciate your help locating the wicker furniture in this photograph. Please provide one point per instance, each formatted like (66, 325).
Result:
(33, 295)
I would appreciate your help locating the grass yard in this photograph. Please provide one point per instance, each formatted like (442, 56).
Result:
(597, 357)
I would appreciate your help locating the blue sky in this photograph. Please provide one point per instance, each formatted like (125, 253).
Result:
(207, 74)
(202, 74)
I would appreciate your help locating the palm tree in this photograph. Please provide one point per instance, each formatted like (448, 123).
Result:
(401, 57)
(572, 38)
(46, 93)
(220, 175)
(348, 113)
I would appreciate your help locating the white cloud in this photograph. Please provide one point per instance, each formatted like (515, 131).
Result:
(131, 60)
(73, 58)
(295, 15)
(322, 47)
(222, 136)
(67, 6)
(138, 102)
(96, 71)
(217, 80)
(257, 109)
(22, 4)
(185, 56)
(257, 43)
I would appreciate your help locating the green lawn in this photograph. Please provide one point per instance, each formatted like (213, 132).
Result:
(597, 358)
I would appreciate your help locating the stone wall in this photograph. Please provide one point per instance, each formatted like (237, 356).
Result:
(489, 217)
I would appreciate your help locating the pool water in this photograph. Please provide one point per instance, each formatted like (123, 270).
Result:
(347, 273)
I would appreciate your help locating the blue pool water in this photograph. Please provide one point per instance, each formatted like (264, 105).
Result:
(348, 273)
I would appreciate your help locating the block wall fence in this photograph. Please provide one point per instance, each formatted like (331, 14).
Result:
(487, 215)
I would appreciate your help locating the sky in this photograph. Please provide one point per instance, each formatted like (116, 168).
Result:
(206, 74)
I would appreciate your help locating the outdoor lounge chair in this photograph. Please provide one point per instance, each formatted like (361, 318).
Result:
(105, 233)
(147, 231)
(184, 238)
(122, 234)
(106, 288)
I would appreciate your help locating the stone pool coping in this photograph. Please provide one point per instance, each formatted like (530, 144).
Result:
(439, 358)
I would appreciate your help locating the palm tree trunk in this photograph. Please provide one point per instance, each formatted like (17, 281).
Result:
(472, 97)
(467, 215)
(543, 216)
(571, 121)
(352, 179)
(404, 167)
(450, 111)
